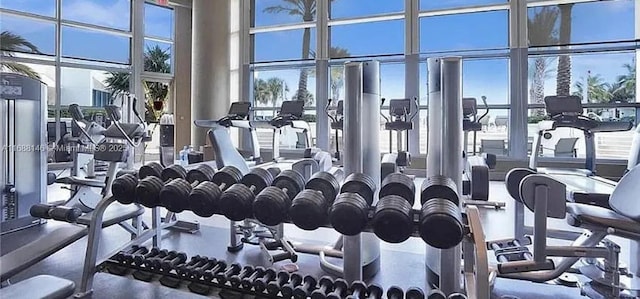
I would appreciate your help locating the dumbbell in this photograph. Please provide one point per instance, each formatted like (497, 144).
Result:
(287, 289)
(199, 271)
(457, 296)
(60, 213)
(236, 203)
(169, 264)
(436, 294)
(358, 289)
(135, 249)
(223, 277)
(274, 287)
(310, 208)
(155, 263)
(395, 292)
(374, 291)
(248, 282)
(325, 286)
(236, 280)
(123, 188)
(260, 285)
(210, 274)
(340, 288)
(440, 218)
(138, 259)
(174, 196)
(414, 293)
(150, 184)
(349, 212)
(149, 261)
(303, 291)
(272, 204)
(196, 261)
(204, 198)
(392, 221)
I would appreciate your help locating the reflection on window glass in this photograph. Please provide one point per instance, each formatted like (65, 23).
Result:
(88, 88)
(273, 12)
(284, 45)
(91, 45)
(389, 38)
(599, 21)
(26, 35)
(468, 31)
(272, 87)
(480, 77)
(108, 13)
(596, 78)
(355, 8)
(157, 57)
(443, 4)
(158, 21)
(39, 7)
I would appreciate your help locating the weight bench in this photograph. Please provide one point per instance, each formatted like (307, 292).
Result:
(28, 255)
(41, 286)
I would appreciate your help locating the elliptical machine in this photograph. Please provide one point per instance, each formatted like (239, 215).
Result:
(475, 175)
(399, 121)
(337, 121)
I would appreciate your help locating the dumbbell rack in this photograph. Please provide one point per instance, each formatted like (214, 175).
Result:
(199, 285)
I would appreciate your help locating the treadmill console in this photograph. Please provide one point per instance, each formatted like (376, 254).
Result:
(563, 105)
(237, 111)
(289, 111)
(469, 107)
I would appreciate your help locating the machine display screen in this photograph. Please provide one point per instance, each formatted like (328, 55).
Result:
(294, 108)
(399, 107)
(240, 108)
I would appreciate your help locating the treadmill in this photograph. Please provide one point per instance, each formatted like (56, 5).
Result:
(583, 185)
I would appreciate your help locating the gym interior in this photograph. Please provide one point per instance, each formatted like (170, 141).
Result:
(319, 149)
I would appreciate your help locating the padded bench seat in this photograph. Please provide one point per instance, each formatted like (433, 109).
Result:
(41, 286)
(114, 214)
(73, 180)
(579, 214)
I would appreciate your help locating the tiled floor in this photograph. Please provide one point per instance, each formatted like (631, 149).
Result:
(401, 264)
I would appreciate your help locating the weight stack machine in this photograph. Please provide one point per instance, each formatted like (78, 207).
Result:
(23, 149)
(362, 154)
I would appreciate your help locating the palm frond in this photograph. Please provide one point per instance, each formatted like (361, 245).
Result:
(10, 42)
(20, 68)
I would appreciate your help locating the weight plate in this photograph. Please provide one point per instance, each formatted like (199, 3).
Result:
(309, 210)
(174, 171)
(174, 195)
(326, 183)
(228, 176)
(441, 224)
(439, 187)
(275, 171)
(414, 293)
(259, 178)
(361, 184)
(392, 221)
(398, 184)
(201, 173)
(124, 188)
(204, 199)
(271, 206)
(150, 169)
(236, 203)
(348, 215)
(148, 191)
(290, 180)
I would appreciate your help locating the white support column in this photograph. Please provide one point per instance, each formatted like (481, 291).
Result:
(182, 77)
(245, 75)
(137, 66)
(412, 68)
(210, 64)
(634, 249)
(58, 71)
(322, 74)
(518, 52)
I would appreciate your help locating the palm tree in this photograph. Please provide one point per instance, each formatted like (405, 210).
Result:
(277, 88)
(306, 9)
(336, 73)
(261, 91)
(117, 83)
(598, 89)
(563, 79)
(541, 32)
(11, 43)
(625, 86)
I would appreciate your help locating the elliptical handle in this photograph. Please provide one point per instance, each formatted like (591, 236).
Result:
(382, 104)
(486, 107)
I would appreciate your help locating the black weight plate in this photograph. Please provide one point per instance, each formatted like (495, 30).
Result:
(513, 179)
(124, 188)
(174, 196)
(348, 215)
(291, 180)
(201, 173)
(259, 178)
(361, 184)
(441, 224)
(150, 169)
(309, 210)
(325, 183)
(398, 184)
(174, 171)
(392, 221)
(148, 191)
(439, 187)
(228, 176)
(436, 294)
(236, 203)
(271, 206)
(204, 199)
(414, 293)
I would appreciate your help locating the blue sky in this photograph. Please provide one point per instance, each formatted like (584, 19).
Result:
(592, 22)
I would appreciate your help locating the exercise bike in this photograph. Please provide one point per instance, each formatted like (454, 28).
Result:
(399, 121)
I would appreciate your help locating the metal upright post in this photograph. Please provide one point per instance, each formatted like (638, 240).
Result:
(444, 157)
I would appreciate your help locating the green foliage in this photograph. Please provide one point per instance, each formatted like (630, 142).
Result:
(11, 43)
(534, 119)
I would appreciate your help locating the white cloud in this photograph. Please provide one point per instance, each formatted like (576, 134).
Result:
(98, 12)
